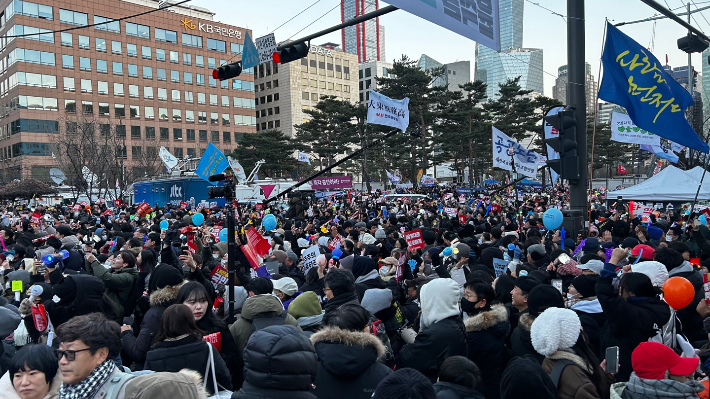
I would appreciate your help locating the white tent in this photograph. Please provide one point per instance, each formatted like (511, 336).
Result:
(670, 184)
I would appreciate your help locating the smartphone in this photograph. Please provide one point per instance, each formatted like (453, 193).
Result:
(557, 283)
(612, 360)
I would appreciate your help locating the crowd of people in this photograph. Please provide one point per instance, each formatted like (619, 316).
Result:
(129, 302)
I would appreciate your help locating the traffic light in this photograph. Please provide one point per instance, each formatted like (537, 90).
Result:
(691, 43)
(228, 71)
(567, 166)
(291, 53)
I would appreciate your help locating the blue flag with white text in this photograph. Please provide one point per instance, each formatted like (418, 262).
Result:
(635, 79)
(213, 162)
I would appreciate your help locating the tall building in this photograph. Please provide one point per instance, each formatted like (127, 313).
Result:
(284, 92)
(150, 75)
(559, 90)
(694, 113)
(455, 73)
(605, 110)
(495, 68)
(368, 74)
(365, 39)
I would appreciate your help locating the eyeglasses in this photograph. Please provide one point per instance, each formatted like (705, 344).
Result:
(70, 355)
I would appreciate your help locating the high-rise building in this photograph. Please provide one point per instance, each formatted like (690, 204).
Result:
(284, 92)
(694, 113)
(559, 90)
(605, 110)
(369, 72)
(365, 39)
(495, 68)
(455, 73)
(148, 79)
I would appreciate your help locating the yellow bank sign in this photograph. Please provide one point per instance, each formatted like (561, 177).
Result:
(188, 24)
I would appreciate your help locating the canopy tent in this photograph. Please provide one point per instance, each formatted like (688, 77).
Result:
(529, 183)
(670, 184)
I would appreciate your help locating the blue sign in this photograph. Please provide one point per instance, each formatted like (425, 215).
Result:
(250, 56)
(213, 162)
(635, 79)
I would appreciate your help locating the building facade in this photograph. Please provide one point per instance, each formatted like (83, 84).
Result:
(495, 68)
(365, 39)
(285, 91)
(454, 73)
(149, 78)
(559, 90)
(605, 110)
(368, 74)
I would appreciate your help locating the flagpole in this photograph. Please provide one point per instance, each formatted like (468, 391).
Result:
(594, 128)
(705, 169)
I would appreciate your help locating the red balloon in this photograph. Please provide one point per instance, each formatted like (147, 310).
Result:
(678, 292)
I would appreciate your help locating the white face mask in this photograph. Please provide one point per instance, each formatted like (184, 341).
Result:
(215, 256)
(570, 296)
(384, 270)
(669, 237)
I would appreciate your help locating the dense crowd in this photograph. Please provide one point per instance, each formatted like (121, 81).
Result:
(129, 302)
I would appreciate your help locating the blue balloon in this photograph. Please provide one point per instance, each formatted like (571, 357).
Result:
(448, 251)
(223, 235)
(703, 219)
(337, 253)
(269, 222)
(164, 225)
(552, 218)
(198, 219)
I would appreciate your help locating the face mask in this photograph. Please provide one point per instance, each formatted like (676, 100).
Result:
(469, 307)
(669, 238)
(570, 296)
(215, 256)
(384, 270)
(480, 241)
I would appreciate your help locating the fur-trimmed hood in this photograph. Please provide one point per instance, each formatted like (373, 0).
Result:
(525, 322)
(346, 354)
(573, 357)
(165, 295)
(485, 320)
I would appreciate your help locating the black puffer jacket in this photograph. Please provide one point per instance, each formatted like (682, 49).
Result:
(646, 315)
(520, 340)
(188, 353)
(433, 345)
(79, 294)
(347, 364)
(689, 318)
(447, 390)
(485, 333)
(279, 363)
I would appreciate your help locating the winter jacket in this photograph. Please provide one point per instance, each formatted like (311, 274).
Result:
(85, 297)
(692, 323)
(433, 345)
(647, 315)
(137, 346)
(447, 390)
(255, 307)
(184, 384)
(372, 280)
(592, 319)
(7, 390)
(190, 353)
(347, 364)
(485, 334)
(118, 282)
(520, 340)
(575, 380)
(228, 351)
(279, 363)
(311, 323)
(638, 388)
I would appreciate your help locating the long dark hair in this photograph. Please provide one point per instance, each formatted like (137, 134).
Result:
(148, 261)
(581, 348)
(177, 320)
(197, 291)
(504, 285)
(637, 283)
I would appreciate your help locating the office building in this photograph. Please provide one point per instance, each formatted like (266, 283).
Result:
(559, 90)
(694, 113)
(605, 110)
(368, 74)
(283, 92)
(365, 39)
(148, 78)
(454, 73)
(495, 68)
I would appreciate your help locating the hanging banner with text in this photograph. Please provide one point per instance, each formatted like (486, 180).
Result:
(526, 161)
(382, 110)
(624, 130)
(331, 182)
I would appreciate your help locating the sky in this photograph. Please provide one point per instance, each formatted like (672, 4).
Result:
(414, 36)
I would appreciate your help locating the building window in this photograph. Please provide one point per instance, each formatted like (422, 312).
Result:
(178, 153)
(236, 48)
(214, 118)
(135, 150)
(86, 86)
(216, 45)
(70, 107)
(213, 81)
(67, 61)
(147, 92)
(200, 78)
(28, 9)
(201, 117)
(131, 50)
(203, 135)
(163, 115)
(147, 72)
(175, 95)
(133, 91)
(164, 133)
(135, 132)
(161, 74)
(104, 109)
(101, 66)
(137, 30)
(227, 137)
(187, 77)
(149, 114)
(160, 54)
(305, 95)
(201, 98)
(120, 110)
(67, 39)
(175, 76)
(118, 89)
(118, 68)
(188, 97)
(134, 111)
(116, 47)
(87, 107)
(73, 17)
(100, 44)
(132, 70)
(69, 84)
(84, 42)
(191, 40)
(191, 153)
(199, 61)
(213, 99)
(177, 134)
(146, 52)
(164, 35)
(112, 26)
(225, 101)
(225, 119)
(189, 117)
(162, 94)
(85, 63)
(149, 132)
(102, 87)
(187, 58)
(215, 136)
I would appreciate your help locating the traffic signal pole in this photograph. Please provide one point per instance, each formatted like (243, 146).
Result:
(576, 97)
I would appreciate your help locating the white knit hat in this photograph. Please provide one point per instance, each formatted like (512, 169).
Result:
(555, 329)
(656, 271)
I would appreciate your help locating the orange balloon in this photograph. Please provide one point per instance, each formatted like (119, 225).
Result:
(678, 292)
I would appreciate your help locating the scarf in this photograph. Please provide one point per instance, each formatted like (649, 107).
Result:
(338, 301)
(90, 385)
(660, 389)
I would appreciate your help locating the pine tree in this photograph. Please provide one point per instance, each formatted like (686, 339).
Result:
(270, 145)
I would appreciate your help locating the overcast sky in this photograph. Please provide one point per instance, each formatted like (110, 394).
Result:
(413, 36)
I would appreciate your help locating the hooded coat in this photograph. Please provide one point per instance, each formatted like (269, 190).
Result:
(254, 307)
(575, 381)
(447, 390)
(689, 318)
(79, 294)
(118, 282)
(347, 364)
(485, 334)
(520, 340)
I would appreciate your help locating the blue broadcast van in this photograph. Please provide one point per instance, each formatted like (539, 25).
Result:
(173, 191)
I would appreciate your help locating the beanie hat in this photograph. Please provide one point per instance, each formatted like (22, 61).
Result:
(555, 329)
(654, 232)
(543, 297)
(656, 271)
(363, 265)
(536, 251)
(376, 299)
(165, 275)
(347, 262)
(292, 255)
(279, 255)
(405, 383)
(287, 285)
(585, 284)
(380, 234)
(526, 284)
(306, 304)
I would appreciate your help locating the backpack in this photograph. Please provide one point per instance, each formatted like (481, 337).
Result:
(259, 323)
(666, 334)
(558, 369)
(113, 386)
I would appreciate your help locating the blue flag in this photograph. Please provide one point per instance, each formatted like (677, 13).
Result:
(635, 79)
(661, 152)
(213, 162)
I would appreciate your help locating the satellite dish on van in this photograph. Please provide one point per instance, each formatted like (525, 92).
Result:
(57, 175)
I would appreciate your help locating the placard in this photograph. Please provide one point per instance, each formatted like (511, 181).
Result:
(414, 239)
(309, 258)
(499, 266)
(220, 275)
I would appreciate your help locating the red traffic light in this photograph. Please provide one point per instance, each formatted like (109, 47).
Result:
(277, 57)
(215, 74)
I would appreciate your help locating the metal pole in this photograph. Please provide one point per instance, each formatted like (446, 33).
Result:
(668, 13)
(690, 64)
(231, 254)
(354, 21)
(661, 17)
(576, 97)
(705, 169)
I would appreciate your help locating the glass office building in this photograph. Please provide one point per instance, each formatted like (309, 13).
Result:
(365, 39)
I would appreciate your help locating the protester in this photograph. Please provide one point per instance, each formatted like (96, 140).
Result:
(458, 379)
(32, 374)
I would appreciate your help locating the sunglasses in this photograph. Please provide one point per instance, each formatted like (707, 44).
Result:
(70, 354)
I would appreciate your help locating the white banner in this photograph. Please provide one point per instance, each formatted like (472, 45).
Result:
(168, 159)
(394, 179)
(237, 168)
(427, 180)
(303, 157)
(382, 110)
(624, 130)
(526, 161)
(476, 20)
(551, 132)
